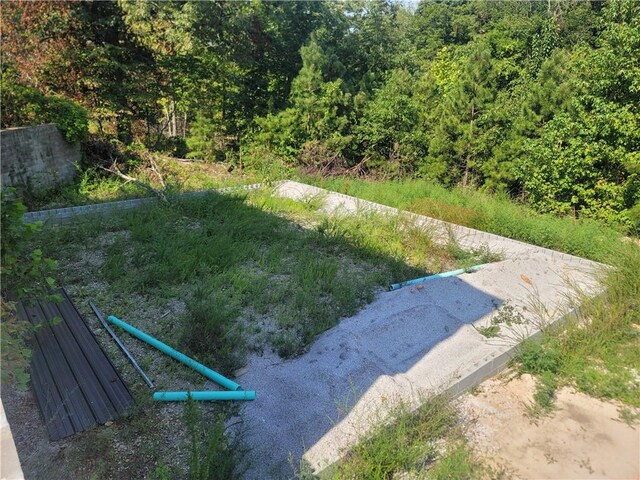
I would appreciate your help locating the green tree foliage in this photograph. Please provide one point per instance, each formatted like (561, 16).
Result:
(205, 141)
(537, 99)
(24, 105)
(388, 126)
(317, 98)
(582, 121)
(459, 142)
(24, 271)
(317, 106)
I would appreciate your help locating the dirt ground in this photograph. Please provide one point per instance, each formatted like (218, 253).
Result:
(582, 438)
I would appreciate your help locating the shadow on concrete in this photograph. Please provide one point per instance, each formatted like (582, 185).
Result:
(403, 345)
(394, 345)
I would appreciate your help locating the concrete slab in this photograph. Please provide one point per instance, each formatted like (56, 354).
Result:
(406, 344)
(10, 468)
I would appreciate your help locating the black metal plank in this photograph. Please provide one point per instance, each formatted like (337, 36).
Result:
(72, 397)
(75, 383)
(85, 377)
(54, 414)
(106, 373)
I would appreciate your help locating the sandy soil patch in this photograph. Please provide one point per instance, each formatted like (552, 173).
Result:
(582, 438)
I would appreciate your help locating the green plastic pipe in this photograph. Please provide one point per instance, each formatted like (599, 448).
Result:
(452, 273)
(204, 396)
(181, 357)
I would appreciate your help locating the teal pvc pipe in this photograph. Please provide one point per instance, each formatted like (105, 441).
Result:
(452, 273)
(181, 357)
(204, 396)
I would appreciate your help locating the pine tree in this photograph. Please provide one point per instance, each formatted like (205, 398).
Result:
(458, 138)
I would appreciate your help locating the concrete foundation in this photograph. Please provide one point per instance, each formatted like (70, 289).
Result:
(407, 344)
(9, 462)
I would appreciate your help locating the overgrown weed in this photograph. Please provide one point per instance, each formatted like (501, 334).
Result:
(544, 396)
(94, 186)
(212, 457)
(495, 214)
(598, 349)
(425, 443)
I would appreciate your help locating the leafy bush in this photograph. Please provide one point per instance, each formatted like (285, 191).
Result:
(70, 117)
(23, 106)
(539, 358)
(634, 219)
(23, 271)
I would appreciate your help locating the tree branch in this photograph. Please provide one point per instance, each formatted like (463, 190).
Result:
(116, 171)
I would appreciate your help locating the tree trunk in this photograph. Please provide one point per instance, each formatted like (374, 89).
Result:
(467, 165)
(123, 126)
(174, 120)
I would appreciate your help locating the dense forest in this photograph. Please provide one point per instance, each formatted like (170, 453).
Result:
(539, 100)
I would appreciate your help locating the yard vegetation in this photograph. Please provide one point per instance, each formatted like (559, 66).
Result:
(516, 118)
(534, 100)
(222, 276)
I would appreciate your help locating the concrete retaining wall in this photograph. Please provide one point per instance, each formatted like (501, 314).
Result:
(38, 156)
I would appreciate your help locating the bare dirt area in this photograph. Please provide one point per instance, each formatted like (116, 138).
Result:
(582, 438)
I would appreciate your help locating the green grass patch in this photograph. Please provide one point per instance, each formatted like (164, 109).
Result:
(474, 209)
(425, 443)
(544, 396)
(97, 186)
(211, 455)
(598, 352)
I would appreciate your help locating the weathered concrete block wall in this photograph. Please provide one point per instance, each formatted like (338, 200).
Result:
(37, 156)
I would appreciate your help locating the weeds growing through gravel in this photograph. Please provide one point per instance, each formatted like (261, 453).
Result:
(219, 276)
(234, 260)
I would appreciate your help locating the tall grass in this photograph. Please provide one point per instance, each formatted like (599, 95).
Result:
(95, 186)
(426, 443)
(211, 455)
(496, 214)
(598, 351)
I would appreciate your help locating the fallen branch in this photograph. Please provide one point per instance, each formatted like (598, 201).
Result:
(358, 170)
(158, 193)
(154, 167)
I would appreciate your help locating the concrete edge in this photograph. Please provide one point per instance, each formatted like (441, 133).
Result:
(10, 468)
(492, 366)
(62, 215)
